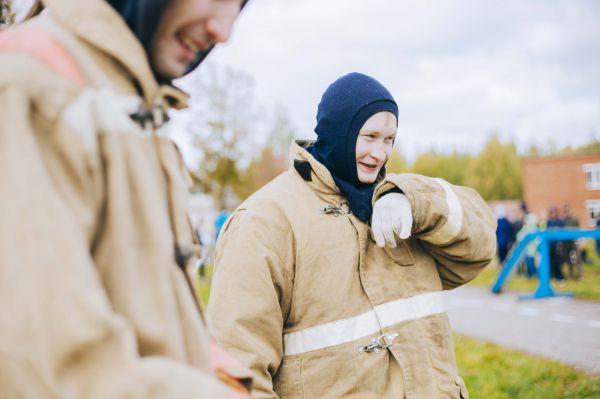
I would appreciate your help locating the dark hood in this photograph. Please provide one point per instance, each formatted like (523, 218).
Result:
(143, 16)
(344, 108)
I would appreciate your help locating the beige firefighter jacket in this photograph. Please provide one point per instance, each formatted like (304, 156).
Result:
(92, 301)
(304, 297)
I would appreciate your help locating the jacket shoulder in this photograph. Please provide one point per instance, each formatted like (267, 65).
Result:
(42, 46)
(38, 69)
(34, 43)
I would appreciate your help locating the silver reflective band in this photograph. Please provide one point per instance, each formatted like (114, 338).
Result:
(451, 228)
(361, 326)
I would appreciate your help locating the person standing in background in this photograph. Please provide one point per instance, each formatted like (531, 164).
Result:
(505, 234)
(556, 247)
(572, 254)
(530, 225)
(598, 240)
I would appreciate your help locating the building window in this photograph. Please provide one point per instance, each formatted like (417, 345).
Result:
(593, 211)
(592, 175)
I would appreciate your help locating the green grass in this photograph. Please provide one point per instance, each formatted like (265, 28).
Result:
(586, 288)
(494, 372)
(204, 290)
(204, 284)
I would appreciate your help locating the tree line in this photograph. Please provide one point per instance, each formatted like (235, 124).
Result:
(229, 121)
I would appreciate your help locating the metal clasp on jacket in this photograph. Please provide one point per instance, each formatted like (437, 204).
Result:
(382, 342)
(150, 117)
(335, 210)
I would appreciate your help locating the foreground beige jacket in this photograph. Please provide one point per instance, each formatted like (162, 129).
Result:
(307, 300)
(93, 303)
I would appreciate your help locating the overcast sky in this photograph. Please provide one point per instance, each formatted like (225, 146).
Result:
(459, 70)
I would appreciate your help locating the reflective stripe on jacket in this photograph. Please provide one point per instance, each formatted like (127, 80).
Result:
(304, 297)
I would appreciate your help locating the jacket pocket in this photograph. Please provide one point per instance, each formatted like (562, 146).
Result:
(464, 394)
(401, 255)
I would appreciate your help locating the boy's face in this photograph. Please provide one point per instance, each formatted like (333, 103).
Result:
(374, 145)
(187, 28)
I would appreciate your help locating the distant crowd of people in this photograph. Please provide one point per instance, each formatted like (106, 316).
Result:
(510, 232)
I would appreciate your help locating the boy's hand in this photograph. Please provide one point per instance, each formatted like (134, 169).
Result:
(392, 216)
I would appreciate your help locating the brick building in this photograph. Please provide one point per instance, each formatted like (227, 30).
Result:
(564, 179)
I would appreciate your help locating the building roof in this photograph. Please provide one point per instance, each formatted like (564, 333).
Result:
(563, 157)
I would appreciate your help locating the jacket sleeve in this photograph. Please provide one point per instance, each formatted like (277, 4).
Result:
(59, 336)
(453, 223)
(251, 292)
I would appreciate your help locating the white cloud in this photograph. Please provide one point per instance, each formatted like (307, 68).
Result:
(458, 69)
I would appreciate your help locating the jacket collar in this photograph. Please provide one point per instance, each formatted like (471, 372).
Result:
(98, 24)
(321, 182)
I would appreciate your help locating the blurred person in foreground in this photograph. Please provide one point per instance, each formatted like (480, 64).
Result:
(329, 279)
(95, 241)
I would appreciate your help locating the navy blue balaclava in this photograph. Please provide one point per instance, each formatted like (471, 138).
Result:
(344, 108)
(143, 16)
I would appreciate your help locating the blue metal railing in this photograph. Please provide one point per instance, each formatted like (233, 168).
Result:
(544, 289)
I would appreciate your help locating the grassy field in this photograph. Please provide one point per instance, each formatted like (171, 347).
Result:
(204, 288)
(494, 372)
(586, 288)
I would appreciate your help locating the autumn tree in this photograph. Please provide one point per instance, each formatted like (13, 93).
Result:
(592, 147)
(534, 151)
(396, 162)
(261, 170)
(222, 120)
(450, 167)
(496, 173)
(273, 159)
(7, 16)
(426, 164)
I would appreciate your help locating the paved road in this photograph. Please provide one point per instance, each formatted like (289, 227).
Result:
(563, 329)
